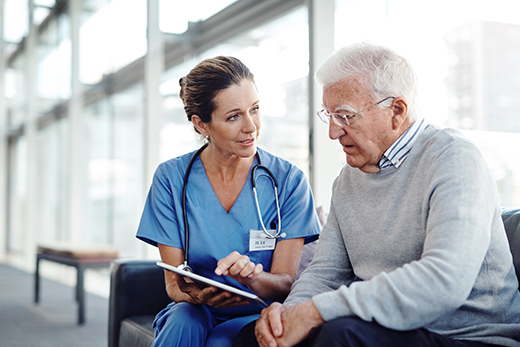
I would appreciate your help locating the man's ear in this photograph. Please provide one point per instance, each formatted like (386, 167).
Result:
(199, 125)
(400, 109)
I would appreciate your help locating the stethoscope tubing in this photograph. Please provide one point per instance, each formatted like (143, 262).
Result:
(184, 213)
(253, 185)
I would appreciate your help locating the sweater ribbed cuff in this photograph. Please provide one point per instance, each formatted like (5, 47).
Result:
(330, 305)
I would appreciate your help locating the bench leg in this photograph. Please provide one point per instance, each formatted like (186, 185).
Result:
(37, 280)
(80, 295)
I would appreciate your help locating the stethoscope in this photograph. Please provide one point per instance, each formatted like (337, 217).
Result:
(184, 266)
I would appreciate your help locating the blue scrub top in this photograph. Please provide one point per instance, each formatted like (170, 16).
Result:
(215, 233)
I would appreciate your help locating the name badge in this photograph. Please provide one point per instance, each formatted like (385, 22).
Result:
(258, 241)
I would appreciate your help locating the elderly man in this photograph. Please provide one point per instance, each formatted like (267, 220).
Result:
(414, 251)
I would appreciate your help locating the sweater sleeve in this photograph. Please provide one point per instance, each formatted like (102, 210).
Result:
(329, 268)
(462, 206)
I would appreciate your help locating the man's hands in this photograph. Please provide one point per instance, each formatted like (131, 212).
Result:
(280, 326)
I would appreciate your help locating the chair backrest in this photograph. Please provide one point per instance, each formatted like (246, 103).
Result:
(511, 218)
(310, 248)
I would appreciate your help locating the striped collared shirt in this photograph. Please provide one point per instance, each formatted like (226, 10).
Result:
(397, 153)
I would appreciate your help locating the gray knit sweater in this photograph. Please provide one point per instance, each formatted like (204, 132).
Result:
(418, 246)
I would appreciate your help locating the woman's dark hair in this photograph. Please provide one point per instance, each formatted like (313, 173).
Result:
(210, 76)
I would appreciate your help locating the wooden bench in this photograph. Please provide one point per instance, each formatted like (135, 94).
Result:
(79, 256)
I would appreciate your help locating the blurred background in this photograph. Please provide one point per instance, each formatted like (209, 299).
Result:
(89, 98)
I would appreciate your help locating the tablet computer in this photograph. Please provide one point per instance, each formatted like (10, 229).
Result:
(210, 282)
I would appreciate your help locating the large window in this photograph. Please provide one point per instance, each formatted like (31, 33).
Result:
(277, 54)
(175, 15)
(52, 182)
(16, 24)
(114, 169)
(112, 36)
(54, 63)
(15, 92)
(466, 56)
(17, 190)
(81, 149)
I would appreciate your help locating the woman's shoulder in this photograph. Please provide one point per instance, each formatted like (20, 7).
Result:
(174, 167)
(277, 163)
(282, 169)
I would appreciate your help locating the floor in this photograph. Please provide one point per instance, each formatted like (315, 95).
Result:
(51, 322)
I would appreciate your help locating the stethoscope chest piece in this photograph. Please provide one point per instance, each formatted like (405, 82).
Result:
(185, 267)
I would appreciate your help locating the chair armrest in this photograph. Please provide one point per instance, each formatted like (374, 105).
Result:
(511, 218)
(136, 288)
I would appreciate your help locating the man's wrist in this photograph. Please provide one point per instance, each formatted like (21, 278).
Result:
(310, 311)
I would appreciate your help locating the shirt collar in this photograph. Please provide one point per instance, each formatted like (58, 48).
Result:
(398, 151)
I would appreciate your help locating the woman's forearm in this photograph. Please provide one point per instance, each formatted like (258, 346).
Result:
(272, 286)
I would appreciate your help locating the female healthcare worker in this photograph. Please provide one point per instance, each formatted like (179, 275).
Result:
(227, 241)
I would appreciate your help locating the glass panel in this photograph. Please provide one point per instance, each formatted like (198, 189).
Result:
(16, 20)
(128, 167)
(467, 64)
(45, 3)
(15, 92)
(52, 153)
(54, 64)
(98, 139)
(174, 15)
(112, 36)
(177, 135)
(17, 196)
(115, 175)
(277, 54)
(42, 8)
(39, 14)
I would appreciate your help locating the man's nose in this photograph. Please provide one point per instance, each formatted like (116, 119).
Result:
(335, 130)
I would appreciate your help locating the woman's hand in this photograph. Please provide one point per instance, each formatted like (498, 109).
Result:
(271, 286)
(180, 290)
(208, 295)
(239, 267)
(236, 266)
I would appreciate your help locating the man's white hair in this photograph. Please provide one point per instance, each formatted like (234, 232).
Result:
(383, 71)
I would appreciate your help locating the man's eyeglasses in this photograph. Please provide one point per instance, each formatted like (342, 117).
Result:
(344, 119)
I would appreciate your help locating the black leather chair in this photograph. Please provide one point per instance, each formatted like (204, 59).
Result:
(511, 218)
(137, 292)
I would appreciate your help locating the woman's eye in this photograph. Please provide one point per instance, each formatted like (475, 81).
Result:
(256, 109)
(233, 117)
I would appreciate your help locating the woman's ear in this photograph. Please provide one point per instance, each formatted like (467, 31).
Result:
(200, 125)
(400, 110)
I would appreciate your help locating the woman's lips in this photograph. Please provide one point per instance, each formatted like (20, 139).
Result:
(247, 142)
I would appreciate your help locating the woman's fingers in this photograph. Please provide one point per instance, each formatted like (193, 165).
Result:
(226, 263)
(239, 267)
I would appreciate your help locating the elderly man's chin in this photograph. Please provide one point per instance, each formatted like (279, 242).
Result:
(351, 160)
(362, 164)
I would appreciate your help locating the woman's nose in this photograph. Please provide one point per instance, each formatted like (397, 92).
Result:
(249, 124)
